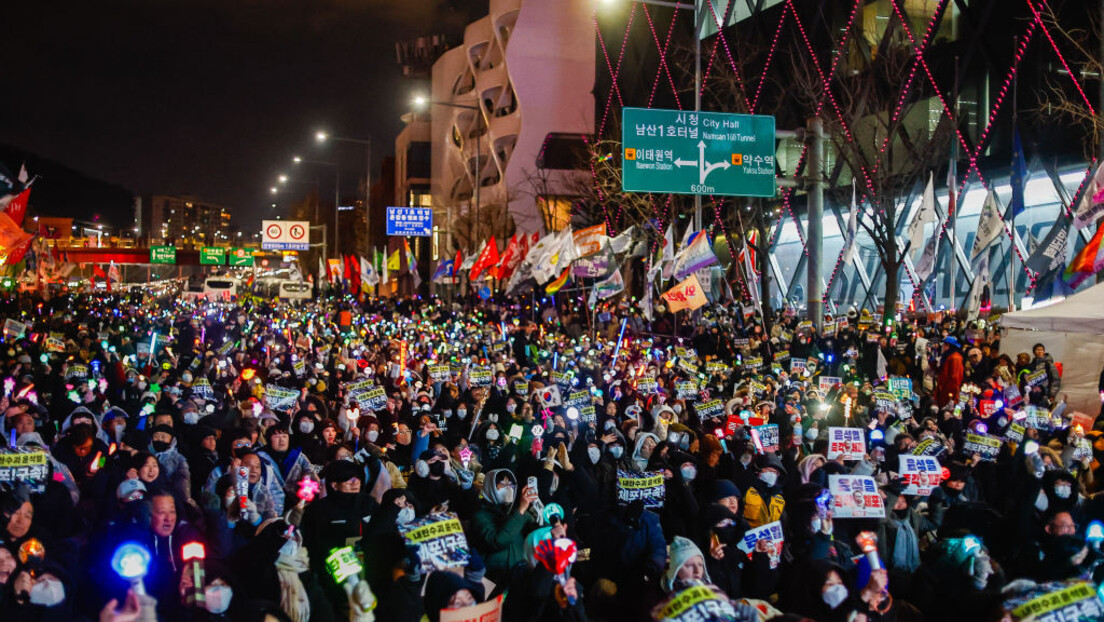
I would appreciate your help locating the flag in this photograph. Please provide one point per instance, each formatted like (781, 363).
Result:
(16, 206)
(385, 271)
(590, 240)
(852, 229)
(923, 216)
(611, 286)
(978, 289)
(507, 260)
(98, 271)
(1051, 253)
(750, 244)
(646, 309)
(751, 278)
(1091, 203)
(621, 242)
(990, 225)
(697, 255)
(113, 273)
(667, 252)
(412, 264)
(456, 263)
(444, 271)
(470, 260)
(368, 275)
(559, 282)
(686, 295)
(1019, 174)
(488, 258)
(394, 264)
(1087, 262)
(560, 255)
(321, 271)
(926, 265)
(12, 238)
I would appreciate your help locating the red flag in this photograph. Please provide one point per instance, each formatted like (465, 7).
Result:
(17, 206)
(456, 264)
(487, 259)
(12, 238)
(503, 265)
(98, 271)
(512, 257)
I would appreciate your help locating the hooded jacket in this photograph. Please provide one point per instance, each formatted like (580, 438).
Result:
(498, 529)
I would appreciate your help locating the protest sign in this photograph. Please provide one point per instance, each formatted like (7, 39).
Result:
(920, 474)
(901, 388)
(374, 398)
(440, 373)
(846, 443)
(928, 447)
(753, 363)
(826, 383)
(688, 366)
(716, 367)
(982, 444)
(299, 367)
(772, 532)
(686, 390)
(490, 611)
(1056, 602)
(587, 414)
(438, 541)
(202, 388)
(647, 487)
(765, 438)
(986, 408)
(700, 603)
(1036, 418)
(481, 376)
(884, 401)
(855, 496)
(710, 409)
(279, 398)
(1035, 378)
(24, 466)
(1012, 396)
(578, 399)
(647, 386)
(781, 356)
(1014, 433)
(521, 387)
(76, 373)
(14, 329)
(797, 366)
(1081, 419)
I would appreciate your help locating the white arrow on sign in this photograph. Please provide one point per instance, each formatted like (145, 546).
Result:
(706, 167)
(680, 162)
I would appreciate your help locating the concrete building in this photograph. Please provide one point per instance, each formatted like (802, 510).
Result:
(183, 221)
(521, 81)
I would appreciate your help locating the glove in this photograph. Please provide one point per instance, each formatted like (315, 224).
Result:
(250, 514)
(361, 601)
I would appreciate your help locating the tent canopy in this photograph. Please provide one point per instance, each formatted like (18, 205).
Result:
(1082, 312)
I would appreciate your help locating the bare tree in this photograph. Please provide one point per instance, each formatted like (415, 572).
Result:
(1060, 101)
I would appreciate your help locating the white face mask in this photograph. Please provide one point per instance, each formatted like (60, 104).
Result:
(510, 408)
(506, 495)
(770, 478)
(617, 451)
(492, 434)
(594, 454)
(461, 412)
(373, 435)
(816, 524)
(689, 472)
(48, 592)
(186, 377)
(191, 417)
(835, 595)
(217, 598)
(290, 548)
(405, 515)
(678, 409)
(1063, 492)
(811, 434)
(306, 426)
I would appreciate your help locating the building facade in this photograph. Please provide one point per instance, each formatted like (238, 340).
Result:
(183, 221)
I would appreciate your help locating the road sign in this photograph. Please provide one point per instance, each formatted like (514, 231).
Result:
(241, 257)
(285, 235)
(682, 152)
(212, 256)
(163, 254)
(410, 221)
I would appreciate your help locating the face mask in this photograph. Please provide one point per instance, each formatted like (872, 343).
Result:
(142, 385)
(506, 495)
(191, 417)
(186, 377)
(617, 451)
(835, 595)
(811, 434)
(373, 435)
(47, 593)
(510, 408)
(1063, 492)
(770, 478)
(689, 472)
(405, 515)
(678, 409)
(815, 524)
(461, 412)
(160, 446)
(306, 426)
(492, 434)
(492, 418)
(1041, 502)
(594, 454)
(290, 548)
(217, 598)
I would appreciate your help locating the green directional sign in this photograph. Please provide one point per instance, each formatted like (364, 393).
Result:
(163, 254)
(212, 256)
(241, 257)
(684, 152)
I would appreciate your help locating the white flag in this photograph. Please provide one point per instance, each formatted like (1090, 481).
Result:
(667, 259)
(923, 216)
(750, 279)
(852, 229)
(368, 273)
(1091, 204)
(621, 242)
(926, 265)
(990, 225)
(385, 272)
(977, 288)
(321, 272)
(646, 302)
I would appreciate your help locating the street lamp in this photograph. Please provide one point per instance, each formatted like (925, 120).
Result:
(323, 137)
(695, 7)
(421, 102)
(282, 179)
(337, 192)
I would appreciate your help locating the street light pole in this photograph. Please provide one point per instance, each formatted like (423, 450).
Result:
(322, 137)
(337, 189)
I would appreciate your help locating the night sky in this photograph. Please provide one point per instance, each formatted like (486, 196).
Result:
(210, 97)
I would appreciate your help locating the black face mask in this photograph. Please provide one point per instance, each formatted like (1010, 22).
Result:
(437, 468)
(160, 446)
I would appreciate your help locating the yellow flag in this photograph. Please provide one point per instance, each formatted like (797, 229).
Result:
(393, 261)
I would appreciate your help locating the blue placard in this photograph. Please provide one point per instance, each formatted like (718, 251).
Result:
(410, 221)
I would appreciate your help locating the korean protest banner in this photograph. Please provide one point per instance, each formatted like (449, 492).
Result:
(855, 496)
(921, 474)
(202, 388)
(826, 383)
(901, 388)
(846, 443)
(481, 377)
(797, 366)
(490, 611)
(578, 399)
(884, 401)
(648, 487)
(279, 398)
(1035, 378)
(686, 390)
(686, 295)
(374, 398)
(753, 363)
(1014, 433)
(24, 466)
(587, 414)
(700, 603)
(438, 540)
(710, 409)
(440, 373)
(982, 444)
(928, 447)
(765, 438)
(14, 329)
(647, 386)
(1057, 601)
(771, 532)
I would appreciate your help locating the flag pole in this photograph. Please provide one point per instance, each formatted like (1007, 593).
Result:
(1021, 181)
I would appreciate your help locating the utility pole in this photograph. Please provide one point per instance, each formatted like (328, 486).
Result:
(697, 96)
(815, 193)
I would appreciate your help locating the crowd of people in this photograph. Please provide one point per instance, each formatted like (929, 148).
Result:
(534, 460)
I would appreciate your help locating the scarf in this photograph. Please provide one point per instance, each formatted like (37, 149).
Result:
(906, 551)
(293, 596)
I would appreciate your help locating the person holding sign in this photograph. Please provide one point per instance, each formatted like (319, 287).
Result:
(763, 502)
(498, 527)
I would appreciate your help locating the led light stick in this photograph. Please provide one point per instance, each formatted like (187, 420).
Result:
(194, 554)
(241, 486)
(131, 561)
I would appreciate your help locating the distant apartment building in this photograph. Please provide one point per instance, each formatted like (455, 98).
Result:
(183, 221)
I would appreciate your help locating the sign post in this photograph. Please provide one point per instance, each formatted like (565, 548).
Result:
(285, 235)
(410, 221)
(679, 152)
(163, 254)
(241, 257)
(212, 256)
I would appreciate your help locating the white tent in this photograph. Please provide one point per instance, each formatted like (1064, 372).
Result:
(1073, 333)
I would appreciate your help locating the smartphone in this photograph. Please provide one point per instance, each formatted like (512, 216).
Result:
(532, 483)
